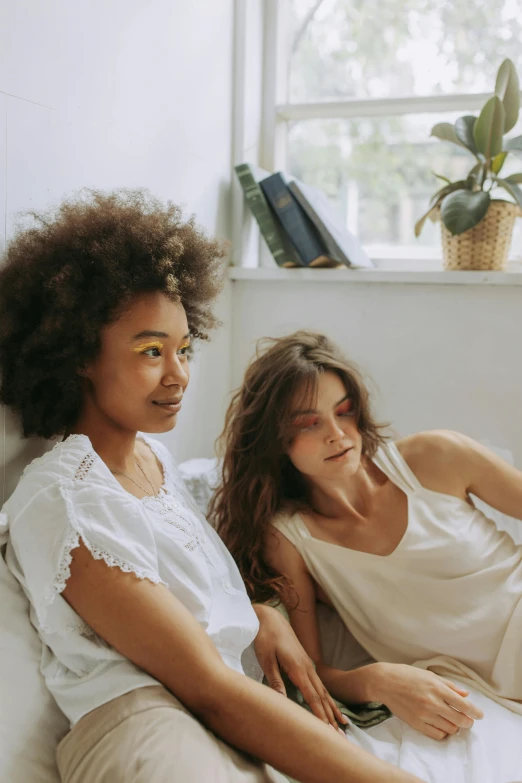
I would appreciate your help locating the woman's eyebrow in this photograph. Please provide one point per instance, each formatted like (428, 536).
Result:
(151, 333)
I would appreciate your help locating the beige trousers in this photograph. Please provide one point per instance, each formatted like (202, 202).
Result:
(148, 736)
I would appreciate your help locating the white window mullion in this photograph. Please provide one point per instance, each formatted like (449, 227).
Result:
(274, 132)
(275, 83)
(371, 107)
(246, 135)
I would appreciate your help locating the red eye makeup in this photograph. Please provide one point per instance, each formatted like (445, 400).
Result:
(345, 407)
(305, 422)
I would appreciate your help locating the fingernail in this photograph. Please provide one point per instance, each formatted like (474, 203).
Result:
(345, 720)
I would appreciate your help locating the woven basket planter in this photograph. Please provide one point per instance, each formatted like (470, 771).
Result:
(486, 245)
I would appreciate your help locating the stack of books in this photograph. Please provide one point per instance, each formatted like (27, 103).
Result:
(298, 222)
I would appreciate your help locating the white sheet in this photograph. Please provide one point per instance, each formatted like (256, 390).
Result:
(489, 752)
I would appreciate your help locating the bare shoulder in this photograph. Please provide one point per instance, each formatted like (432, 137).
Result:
(280, 553)
(434, 444)
(283, 557)
(438, 458)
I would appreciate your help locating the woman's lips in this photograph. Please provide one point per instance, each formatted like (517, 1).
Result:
(339, 456)
(171, 407)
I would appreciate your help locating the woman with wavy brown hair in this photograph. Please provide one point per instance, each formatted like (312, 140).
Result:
(141, 611)
(316, 504)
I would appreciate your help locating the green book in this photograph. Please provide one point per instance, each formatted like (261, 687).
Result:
(249, 177)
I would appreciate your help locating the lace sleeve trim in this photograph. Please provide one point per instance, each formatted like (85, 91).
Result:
(72, 541)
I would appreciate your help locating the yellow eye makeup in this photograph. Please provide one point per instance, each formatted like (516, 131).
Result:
(148, 346)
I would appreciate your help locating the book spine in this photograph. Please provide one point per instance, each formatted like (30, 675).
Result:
(268, 226)
(326, 236)
(295, 222)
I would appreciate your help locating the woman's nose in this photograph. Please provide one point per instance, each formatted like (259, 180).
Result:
(334, 432)
(176, 374)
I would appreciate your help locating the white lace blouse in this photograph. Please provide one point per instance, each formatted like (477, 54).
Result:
(70, 494)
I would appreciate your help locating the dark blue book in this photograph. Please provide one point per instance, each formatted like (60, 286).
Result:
(341, 244)
(297, 225)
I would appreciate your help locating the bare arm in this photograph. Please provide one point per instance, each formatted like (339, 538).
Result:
(302, 611)
(446, 461)
(149, 626)
(278, 651)
(435, 706)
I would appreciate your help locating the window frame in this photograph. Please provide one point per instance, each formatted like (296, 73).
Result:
(277, 112)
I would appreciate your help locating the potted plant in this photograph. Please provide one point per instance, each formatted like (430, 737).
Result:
(476, 223)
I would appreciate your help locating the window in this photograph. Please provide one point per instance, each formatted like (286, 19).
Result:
(357, 88)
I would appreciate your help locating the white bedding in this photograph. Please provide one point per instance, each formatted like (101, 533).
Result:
(489, 752)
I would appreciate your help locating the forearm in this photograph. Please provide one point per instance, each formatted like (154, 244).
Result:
(154, 630)
(256, 720)
(352, 687)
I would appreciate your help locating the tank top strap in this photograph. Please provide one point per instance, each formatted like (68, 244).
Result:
(292, 527)
(389, 459)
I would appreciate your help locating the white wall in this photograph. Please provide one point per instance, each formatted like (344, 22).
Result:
(439, 355)
(110, 93)
(107, 93)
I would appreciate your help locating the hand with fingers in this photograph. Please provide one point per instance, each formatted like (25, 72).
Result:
(432, 704)
(279, 652)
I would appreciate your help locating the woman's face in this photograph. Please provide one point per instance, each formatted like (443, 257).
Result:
(139, 378)
(326, 443)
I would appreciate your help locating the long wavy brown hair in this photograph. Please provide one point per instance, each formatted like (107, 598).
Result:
(258, 478)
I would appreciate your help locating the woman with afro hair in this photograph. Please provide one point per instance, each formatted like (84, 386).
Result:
(143, 615)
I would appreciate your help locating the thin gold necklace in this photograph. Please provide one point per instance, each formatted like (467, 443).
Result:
(167, 509)
(119, 473)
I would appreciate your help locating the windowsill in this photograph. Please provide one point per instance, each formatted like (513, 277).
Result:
(431, 276)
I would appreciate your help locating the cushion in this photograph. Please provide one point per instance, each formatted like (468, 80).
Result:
(201, 476)
(17, 452)
(31, 725)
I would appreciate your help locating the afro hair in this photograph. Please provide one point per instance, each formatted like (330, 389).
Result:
(71, 273)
